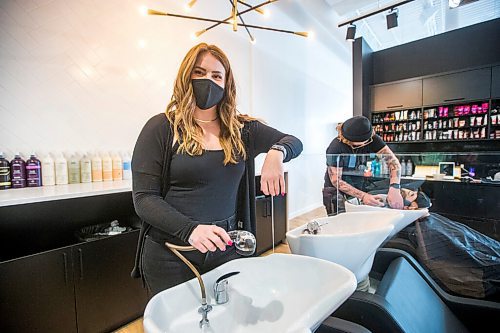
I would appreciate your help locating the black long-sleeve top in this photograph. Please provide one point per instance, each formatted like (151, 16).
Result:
(150, 164)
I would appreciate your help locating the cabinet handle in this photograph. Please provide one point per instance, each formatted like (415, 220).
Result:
(268, 207)
(65, 262)
(454, 99)
(80, 255)
(395, 106)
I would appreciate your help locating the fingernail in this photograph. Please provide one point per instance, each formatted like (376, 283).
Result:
(224, 249)
(230, 243)
(283, 194)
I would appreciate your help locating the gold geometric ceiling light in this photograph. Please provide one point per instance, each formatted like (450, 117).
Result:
(232, 19)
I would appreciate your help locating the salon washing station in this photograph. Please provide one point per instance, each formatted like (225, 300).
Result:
(408, 300)
(348, 239)
(277, 293)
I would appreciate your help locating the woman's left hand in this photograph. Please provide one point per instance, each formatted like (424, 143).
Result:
(272, 178)
(394, 198)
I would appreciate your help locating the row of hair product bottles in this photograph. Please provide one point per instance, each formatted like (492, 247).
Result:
(378, 167)
(60, 170)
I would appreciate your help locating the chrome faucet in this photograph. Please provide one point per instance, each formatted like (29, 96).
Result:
(245, 244)
(205, 307)
(312, 227)
(220, 288)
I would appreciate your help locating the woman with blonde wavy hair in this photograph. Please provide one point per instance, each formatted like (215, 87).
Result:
(194, 172)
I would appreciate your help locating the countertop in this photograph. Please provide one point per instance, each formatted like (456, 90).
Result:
(57, 192)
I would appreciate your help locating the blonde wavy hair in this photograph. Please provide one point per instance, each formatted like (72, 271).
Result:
(341, 136)
(180, 110)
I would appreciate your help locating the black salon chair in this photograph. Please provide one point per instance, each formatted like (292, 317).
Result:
(337, 325)
(407, 300)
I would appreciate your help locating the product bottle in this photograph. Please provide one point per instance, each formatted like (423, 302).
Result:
(74, 169)
(33, 171)
(403, 167)
(96, 168)
(377, 168)
(107, 167)
(85, 169)
(117, 167)
(61, 170)
(5, 182)
(48, 171)
(127, 169)
(18, 172)
(409, 168)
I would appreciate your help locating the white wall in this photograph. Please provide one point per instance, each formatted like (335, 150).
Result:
(74, 77)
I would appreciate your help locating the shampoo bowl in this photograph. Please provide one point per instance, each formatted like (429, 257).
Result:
(348, 239)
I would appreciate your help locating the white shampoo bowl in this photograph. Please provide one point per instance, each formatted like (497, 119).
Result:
(282, 293)
(348, 239)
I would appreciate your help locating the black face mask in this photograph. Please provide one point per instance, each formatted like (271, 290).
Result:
(207, 93)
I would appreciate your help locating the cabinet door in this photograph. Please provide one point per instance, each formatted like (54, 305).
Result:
(463, 86)
(264, 222)
(36, 293)
(396, 96)
(106, 296)
(495, 84)
(263, 226)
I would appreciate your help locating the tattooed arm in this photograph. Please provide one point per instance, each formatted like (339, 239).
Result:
(394, 198)
(335, 175)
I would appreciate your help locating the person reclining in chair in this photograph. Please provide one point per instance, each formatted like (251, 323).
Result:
(356, 136)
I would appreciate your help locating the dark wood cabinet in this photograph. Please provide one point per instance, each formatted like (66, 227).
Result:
(51, 281)
(495, 82)
(407, 94)
(463, 86)
(264, 222)
(37, 293)
(106, 296)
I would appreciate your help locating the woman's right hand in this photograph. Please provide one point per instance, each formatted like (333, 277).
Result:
(206, 237)
(373, 200)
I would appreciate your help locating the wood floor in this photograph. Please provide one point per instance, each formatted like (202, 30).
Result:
(136, 325)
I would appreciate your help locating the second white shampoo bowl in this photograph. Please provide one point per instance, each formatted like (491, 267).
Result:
(348, 239)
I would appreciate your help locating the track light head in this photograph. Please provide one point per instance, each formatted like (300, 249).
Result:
(351, 33)
(392, 18)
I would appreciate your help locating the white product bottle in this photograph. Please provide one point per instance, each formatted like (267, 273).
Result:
(117, 167)
(403, 167)
(107, 167)
(85, 169)
(127, 166)
(96, 168)
(74, 169)
(48, 171)
(61, 170)
(409, 168)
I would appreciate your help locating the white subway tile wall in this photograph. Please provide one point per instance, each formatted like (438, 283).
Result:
(84, 75)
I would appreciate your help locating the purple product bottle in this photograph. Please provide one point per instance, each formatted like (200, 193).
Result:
(4, 173)
(18, 172)
(33, 172)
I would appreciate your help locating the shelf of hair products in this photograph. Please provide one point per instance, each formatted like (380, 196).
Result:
(21, 171)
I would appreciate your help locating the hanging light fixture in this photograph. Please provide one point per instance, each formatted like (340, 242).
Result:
(232, 20)
(392, 18)
(351, 33)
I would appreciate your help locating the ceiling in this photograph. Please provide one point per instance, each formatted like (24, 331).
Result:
(417, 19)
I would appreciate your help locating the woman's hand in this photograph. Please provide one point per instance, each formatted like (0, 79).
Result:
(272, 176)
(206, 237)
(372, 200)
(394, 198)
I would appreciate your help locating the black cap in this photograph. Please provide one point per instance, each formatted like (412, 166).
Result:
(357, 129)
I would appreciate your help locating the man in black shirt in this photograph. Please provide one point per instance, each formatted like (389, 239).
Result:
(356, 137)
